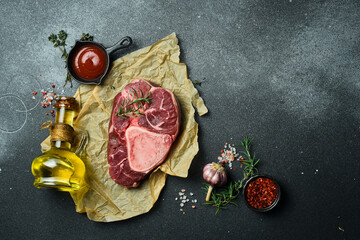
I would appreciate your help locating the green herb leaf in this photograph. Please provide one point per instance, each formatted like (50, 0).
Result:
(86, 37)
(127, 104)
(197, 83)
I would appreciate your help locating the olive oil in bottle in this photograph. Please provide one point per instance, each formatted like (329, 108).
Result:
(60, 168)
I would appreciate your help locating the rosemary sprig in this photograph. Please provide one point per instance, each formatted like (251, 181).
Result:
(125, 108)
(232, 191)
(59, 41)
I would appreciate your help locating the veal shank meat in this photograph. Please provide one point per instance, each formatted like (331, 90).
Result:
(139, 142)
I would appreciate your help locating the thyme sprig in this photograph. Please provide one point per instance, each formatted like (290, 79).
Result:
(232, 191)
(59, 41)
(125, 109)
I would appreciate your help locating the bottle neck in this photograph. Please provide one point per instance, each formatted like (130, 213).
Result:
(61, 144)
(63, 115)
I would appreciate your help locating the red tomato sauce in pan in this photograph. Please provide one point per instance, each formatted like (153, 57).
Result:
(90, 62)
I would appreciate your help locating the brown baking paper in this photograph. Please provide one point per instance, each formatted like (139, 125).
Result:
(107, 201)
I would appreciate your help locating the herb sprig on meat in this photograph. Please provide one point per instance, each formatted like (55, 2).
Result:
(125, 109)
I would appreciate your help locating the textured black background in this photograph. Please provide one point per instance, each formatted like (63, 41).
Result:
(284, 72)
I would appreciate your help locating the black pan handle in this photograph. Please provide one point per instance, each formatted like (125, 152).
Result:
(123, 43)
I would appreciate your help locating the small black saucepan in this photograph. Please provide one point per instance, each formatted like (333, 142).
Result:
(123, 43)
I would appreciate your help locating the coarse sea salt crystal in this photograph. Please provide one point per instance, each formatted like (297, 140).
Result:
(181, 204)
(181, 209)
(191, 194)
(176, 199)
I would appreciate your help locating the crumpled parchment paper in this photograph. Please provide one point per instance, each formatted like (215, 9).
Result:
(159, 63)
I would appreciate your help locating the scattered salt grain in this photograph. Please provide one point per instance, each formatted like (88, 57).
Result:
(302, 173)
(185, 199)
(49, 97)
(228, 155)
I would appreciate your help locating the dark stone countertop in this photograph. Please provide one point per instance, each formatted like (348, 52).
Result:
(284, 72)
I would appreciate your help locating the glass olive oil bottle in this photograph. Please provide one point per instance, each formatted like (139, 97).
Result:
(60, 168)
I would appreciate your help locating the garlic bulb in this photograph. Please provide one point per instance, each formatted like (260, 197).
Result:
(215, 175)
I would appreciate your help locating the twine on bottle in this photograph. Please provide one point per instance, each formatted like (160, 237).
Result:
(59, 131)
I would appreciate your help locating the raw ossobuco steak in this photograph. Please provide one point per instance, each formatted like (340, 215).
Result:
(140, 139)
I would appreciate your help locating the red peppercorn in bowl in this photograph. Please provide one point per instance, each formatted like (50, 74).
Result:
(261, 193)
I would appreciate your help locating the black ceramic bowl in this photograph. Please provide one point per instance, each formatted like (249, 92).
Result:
(266, 208)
